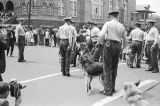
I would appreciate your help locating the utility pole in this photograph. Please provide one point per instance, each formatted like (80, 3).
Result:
(29, 14)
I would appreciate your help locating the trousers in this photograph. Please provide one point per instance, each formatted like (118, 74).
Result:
(136, 49)
(65, 52)
(152, 56)
(111, 53)
(21, 46)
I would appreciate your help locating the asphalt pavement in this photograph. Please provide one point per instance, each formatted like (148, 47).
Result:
(47, 87)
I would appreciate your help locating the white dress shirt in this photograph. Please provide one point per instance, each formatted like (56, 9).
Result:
(153, 35)
(137, 35)
(114, 30)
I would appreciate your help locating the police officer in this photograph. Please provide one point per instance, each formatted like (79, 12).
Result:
(114, 32)
(152, 39)
(65, 45)
(20, 38)
(136, 36)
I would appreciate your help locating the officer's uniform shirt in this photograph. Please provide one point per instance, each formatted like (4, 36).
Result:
(153, 35)
(19, 31)
(114, 30)
(64, 32)
(136, 35)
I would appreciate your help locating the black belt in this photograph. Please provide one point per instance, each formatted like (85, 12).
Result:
(137, 41)
(151, 41)
(21, 36)
(112, 41)
(64, 39)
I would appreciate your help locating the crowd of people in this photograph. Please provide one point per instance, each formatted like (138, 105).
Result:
(6, 15)
(105, 44)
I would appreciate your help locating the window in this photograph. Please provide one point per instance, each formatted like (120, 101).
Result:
(125, 11)
(73, 5)
(23, 8)
(61, 9)
(110, 5)
(50, 9)
(44, 8)
(97, 9)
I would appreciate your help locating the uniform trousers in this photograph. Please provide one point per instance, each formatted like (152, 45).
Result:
(65, 52)
(136, 49)
(152, 55)
(111, 53)
(21, 46)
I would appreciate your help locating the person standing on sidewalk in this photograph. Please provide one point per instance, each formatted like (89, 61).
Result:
(114, 33)
(65, 46)
(20, 38)
(137, 37)
(152, 39)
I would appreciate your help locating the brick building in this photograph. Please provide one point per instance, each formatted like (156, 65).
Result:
(52, 12)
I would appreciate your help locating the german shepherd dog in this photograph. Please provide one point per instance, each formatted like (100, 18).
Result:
(91, 69)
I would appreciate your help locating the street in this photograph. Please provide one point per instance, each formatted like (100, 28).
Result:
(47, 87)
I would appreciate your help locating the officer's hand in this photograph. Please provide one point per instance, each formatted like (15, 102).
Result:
(153, 46)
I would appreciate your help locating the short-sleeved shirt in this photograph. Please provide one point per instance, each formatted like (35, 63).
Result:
(113, 30)
(136, 35)
(153, 35)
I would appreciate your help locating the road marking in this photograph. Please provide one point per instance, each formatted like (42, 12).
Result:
(46, 76)
(119, 94)
(51, 75)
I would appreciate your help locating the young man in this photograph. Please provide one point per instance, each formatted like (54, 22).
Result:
(137, 37)
(114, 32)
(65, 46)
(20, 38)
(152, 39)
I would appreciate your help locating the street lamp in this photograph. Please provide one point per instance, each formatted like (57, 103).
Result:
(29, 14)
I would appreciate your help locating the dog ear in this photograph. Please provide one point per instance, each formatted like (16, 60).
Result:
(138, 82)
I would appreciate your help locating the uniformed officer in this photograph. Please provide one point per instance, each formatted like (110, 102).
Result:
(114, 32)
(136, 36)
(20, 38)
(65, 45)
(152, 39)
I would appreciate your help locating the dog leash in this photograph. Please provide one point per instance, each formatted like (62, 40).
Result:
(151, 88)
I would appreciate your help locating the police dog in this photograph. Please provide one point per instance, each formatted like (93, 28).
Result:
(91, 69)
(133, 95)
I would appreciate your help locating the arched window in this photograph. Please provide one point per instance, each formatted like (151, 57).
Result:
(61, 8)
(97, 9)
(50, 8)
(44, 8)
(110, 5)
(73, 10)
(1, 6)
(125, 11)
(9, 6)
(23, 8)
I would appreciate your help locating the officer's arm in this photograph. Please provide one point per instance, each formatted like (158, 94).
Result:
(156, 36)
(124, 40)
(16, 33)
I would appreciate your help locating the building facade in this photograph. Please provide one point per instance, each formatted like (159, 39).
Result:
(52, 12)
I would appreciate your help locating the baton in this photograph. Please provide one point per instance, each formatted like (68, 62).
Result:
(151, 88)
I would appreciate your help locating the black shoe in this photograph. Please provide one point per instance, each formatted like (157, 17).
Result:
(131, 66)
(150, 69)
(73, 65)
(113, 90)
(64, 74)
(68, 75)
(106, 93)
(155, 71)
(138, 66)
(21, 60)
